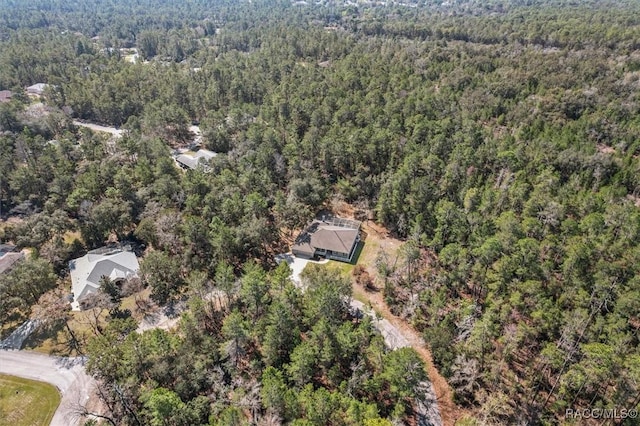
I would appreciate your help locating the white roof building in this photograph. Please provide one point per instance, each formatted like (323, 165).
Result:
(37, 89)
(115, 263)
(191, 160)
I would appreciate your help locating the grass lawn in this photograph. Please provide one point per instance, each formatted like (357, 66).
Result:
(57, 340)
(365, 254)
(130, 301)
(69, 237)
(26, 402)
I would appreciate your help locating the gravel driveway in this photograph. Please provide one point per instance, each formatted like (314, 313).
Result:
(98, 128)
(428, 413)
(297, 264)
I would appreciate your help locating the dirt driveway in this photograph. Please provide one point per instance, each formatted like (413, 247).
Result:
(98, 128)
(377, 237)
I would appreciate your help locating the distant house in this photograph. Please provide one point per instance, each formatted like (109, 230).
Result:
(37, 89)
(333, 238)
(5, 96)
(8, 258)
(115, 263)
(191, 159)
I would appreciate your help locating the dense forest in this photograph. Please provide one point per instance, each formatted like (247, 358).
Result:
(499, 139)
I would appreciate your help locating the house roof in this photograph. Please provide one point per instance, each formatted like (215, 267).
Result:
(5, 95)
(87, 270)
(37, 88)
(187, 160)
(8, 259)
(6, 248)
(335, 235)
(192, 159)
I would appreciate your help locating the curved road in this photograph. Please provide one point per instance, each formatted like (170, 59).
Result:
(67, 374)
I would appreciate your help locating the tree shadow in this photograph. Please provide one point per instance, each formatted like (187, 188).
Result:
(11, 323)
(56, 339)
(41, 334)
(68, 363)
(357, 253)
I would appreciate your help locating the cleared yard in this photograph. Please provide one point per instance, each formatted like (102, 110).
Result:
(56, 341)
(26, 402)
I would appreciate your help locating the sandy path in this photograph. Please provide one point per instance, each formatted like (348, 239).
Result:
(98, 128)
(67, 374)
(428, 409)
(159, 319)
(449, 412)
(378, 237)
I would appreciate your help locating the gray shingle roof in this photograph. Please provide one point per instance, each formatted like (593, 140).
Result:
(335, 235)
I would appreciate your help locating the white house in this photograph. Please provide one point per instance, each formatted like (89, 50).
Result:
(9, 258)
(190, 159)
(37, 89)
(117, 264)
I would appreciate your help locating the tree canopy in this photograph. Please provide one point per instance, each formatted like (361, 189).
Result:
(498, 138)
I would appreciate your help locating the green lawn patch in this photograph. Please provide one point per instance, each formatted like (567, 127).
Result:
(25, 402)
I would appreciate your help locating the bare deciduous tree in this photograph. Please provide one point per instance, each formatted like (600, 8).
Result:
(52, 309)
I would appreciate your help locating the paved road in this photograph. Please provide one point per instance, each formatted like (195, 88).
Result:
(67, 374)
(164, 318)
(16, 339)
